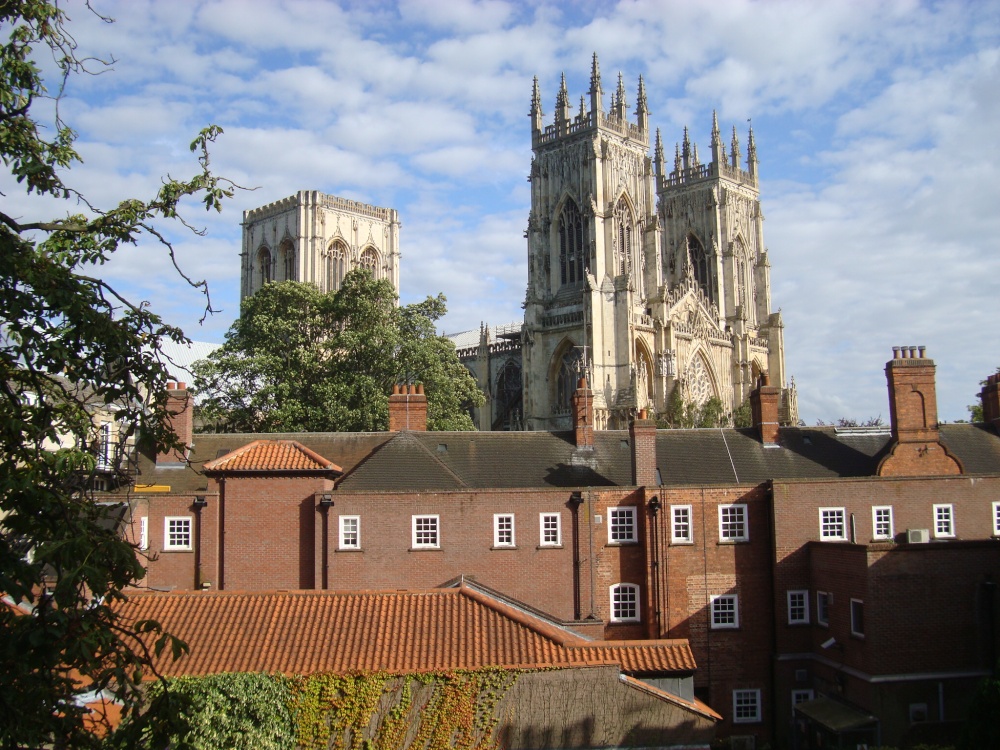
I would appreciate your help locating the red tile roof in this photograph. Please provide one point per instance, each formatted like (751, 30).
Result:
(301, 632)
(272, 456)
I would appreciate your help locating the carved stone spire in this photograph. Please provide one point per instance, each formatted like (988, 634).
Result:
(621, 105)
(659, 162)
(751, 153)
(562, 102)
(677, 159)
(686, 149)
(642, 108)
(735, 154)
(596, 105)
(718, 152)
(536, 108)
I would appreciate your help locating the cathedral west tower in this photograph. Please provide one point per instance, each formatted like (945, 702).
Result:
(642, 279)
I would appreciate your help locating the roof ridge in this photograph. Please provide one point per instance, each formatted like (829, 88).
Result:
(321, 463)
(535, 624)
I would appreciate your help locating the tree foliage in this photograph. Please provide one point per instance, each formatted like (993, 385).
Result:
(680, 414)
(298, 359)
(237, 711)
(69, 344)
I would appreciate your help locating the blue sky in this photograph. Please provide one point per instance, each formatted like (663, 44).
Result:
(875, 125)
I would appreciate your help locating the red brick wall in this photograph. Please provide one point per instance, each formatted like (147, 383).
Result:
(269, 532)
(690, 574)
(180, 406)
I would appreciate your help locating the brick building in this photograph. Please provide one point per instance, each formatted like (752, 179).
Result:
(846, 573)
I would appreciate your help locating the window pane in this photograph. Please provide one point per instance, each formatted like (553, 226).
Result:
(622, 524)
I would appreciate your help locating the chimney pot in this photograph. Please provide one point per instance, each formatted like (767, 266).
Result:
(923, 351)
(895, 352)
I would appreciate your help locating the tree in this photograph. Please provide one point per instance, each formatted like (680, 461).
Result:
(681, 414)
(69, 341)
(300, 360)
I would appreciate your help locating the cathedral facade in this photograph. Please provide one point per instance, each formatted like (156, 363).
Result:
(317, 238)
(643, 277)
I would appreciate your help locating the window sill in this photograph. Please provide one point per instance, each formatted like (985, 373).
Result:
(549, 546)
(629, 543)
(733, 541)
(500, 547)
(724, 628)
(681, 543)
(425, 549)
(174, 550)
(349, 549)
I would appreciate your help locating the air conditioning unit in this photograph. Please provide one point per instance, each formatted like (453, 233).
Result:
(918, 536)
(743, 742)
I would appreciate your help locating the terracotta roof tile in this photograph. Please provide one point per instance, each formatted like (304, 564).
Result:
(301, 632)
(272, 455)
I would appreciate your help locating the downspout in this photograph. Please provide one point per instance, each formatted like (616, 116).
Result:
(590, 525)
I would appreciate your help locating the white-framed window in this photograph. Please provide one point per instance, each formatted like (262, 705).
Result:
(801, 696)
(996, 519)
(823, 602)
(177, 532)
(105, 450)
(858, 618)
(882, 522)
(725, 611)
(350, 532)
(680, 524)
(503, 529)
(625, 602)
(550, 529)
(944, 521)
(621, 525)
(746, 706)
(832, 524)
(143, 532)
(426, 532)
(733, 523)
(798, 607)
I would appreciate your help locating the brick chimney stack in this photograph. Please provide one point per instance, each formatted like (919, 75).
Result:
(642, 432)
(408, 408)
(990, 396)
(583, 414)
(916, 445)
(764, 408)
(180, 408)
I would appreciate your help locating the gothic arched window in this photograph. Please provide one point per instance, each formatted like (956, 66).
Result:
(263, 266)
(369, 261)
(623, 230)
(699, 263)
(287, 254)
(571, 244)
(569, 373)
(508, 397)
(336, 265)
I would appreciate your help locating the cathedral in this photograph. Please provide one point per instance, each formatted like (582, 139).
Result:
(317, 238)
(642, 278)
(649, 280)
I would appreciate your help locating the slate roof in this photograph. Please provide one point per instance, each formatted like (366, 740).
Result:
(417, 461)
(302, 632)
(272, 456)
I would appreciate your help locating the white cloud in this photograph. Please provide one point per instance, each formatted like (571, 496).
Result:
(874, 120)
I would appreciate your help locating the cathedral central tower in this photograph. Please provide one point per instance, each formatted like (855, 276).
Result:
(643, 281)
